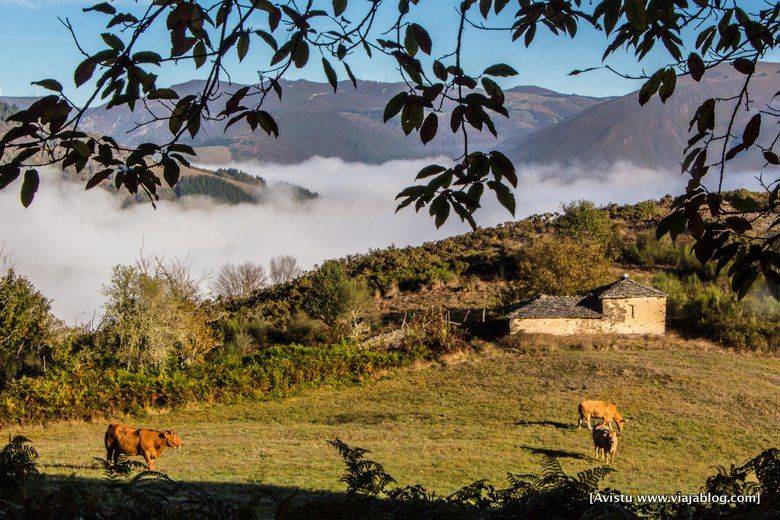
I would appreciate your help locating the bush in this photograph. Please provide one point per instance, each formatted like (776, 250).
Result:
(560, 266)
(712, 310)
(582, 219)
(26, 327)
(337, 299)
(154, 320)
(270, 372)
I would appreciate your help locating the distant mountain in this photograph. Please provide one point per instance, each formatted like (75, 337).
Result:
(348, 124)
(652, 136)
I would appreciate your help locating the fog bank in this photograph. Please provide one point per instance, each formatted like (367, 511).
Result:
(69, 239)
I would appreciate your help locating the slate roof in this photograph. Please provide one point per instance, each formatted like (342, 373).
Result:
(627, 288)
(558, 307)
(587, 307)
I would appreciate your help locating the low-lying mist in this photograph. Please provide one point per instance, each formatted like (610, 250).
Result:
(69, 239)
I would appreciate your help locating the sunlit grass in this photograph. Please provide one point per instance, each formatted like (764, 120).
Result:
(477, 416)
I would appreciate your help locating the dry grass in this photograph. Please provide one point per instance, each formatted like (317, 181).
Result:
(689, 407)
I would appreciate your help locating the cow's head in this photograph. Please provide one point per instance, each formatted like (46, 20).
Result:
(619, 420)
(172, 438)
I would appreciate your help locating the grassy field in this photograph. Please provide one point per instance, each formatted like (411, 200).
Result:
(478, 415)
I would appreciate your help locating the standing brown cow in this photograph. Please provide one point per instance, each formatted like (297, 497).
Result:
(600, 410)
(150, 444)
(605, 441)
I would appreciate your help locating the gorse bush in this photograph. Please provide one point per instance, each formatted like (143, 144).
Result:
(153, 319)
(27, 328)
(710, 309)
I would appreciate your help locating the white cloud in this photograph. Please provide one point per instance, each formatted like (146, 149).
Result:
(69, 239)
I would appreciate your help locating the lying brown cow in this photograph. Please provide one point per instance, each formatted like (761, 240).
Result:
(600, 410)
(605, 442)
(150, 444)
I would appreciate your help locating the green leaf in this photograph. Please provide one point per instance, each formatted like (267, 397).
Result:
(98, 178)
(504, 195)
(410, 41)
(500, 70)
(242, 48)
(352, 77)
(103, 7)
(696, 66)
(199, 54)
(439, 70)
(270, 40)
(423, 38)
(429, 127)
(331, 74)
(744, 66)
(49, 84)
(339, 6)
(113, 41)
(440, 209)
(301, 54)
(636, 14)
(752, 130)
(669, 82)
(411, 116)
(84, 71)
(171, 171)
(394, 106)
(29, 187)
(430, 170)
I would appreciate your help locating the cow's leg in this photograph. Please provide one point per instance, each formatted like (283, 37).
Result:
(587, 417)
(149, 460)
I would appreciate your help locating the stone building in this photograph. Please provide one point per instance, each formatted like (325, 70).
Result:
(622, 307)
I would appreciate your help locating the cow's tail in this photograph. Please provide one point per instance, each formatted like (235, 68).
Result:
(580, 414)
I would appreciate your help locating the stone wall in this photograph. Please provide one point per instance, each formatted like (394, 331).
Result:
(635, 315)
(557, 326)
(621, 316)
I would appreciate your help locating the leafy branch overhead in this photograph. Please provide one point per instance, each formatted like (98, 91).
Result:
(441, 94)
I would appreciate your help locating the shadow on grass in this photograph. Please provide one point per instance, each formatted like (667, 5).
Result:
(71, 466)
(554, 424)
(65, 497)
(559, 454)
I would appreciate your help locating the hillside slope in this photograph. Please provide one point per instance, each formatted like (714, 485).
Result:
(652, 136)
(348, 124)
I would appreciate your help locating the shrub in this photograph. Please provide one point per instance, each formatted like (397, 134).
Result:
(26, 327)
(429, 334)
(712, 310)
(336, 298)
(582, 219)
(265, 373)
(560, 266)
(154, 321)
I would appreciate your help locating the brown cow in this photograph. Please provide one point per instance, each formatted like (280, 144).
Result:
(150, 444)
(605, 441)
(600, 410)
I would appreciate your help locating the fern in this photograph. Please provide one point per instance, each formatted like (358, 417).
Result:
(363, 476)
(18, 461)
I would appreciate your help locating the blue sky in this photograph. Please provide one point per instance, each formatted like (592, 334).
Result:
(35, 45)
